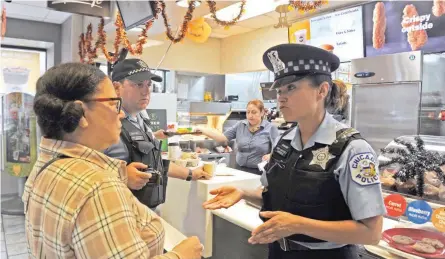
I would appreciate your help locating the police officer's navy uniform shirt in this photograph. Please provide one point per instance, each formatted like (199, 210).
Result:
(363, 199)
(252, 146)
(120, 150)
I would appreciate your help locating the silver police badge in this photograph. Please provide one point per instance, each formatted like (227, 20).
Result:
(142, 63)
(321, 157)
(277, 64)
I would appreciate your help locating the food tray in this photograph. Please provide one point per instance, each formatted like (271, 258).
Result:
(417, 235)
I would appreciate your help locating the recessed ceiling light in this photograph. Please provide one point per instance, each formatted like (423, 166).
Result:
(185, 3)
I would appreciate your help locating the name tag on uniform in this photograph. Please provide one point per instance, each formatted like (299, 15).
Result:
(283, 149)
(136, 136)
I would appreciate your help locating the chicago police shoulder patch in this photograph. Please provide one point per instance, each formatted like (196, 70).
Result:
(363, 169)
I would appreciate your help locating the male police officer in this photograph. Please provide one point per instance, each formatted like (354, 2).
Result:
(321, 191)
(138, 145)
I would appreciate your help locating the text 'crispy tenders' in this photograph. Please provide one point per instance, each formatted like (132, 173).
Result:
(379, 20)
(416, 38)
(439, 7)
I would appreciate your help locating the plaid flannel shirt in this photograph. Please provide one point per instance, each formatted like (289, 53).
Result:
(80, 207)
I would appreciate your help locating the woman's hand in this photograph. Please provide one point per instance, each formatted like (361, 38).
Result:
(226, 197)
(266, 157)
(190, 248)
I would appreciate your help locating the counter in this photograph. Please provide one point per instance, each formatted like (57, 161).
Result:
(185, 216)
(246, 217)
(183, 207)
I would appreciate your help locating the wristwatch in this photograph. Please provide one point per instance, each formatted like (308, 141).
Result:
(190, 176)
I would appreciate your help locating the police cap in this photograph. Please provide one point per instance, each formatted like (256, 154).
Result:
(293, 62)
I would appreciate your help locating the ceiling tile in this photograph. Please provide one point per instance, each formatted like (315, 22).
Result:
(38, 3)
(14, 9)
(258, 22)
(233, 30)
(218, 35)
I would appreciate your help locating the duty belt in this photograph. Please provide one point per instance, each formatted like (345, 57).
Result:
(288, 245)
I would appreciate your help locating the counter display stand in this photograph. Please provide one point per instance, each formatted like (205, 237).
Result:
(412, 174)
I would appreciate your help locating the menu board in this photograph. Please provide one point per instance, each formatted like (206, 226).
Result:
(158, 119)
(340, 32)
(401, 26)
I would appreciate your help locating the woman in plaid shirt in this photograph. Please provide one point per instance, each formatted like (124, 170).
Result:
(77, 203)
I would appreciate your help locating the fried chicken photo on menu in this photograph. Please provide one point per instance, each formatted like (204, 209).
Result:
(379, 20)
(415, 38)
(439, 7)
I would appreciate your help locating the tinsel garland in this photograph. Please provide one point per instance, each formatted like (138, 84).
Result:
(3, 31)
(306, 6)
(414, 162)
(187, 18)
(91, 53)
(121, 34)
(87, 51)
(82, 48)
(102, 40)
(212, 7)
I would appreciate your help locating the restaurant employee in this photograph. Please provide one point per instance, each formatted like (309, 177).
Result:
(254, 137)
(138, 145)
(322, 192)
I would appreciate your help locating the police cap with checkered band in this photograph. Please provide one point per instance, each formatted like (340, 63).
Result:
(133, 69)
(293, 62)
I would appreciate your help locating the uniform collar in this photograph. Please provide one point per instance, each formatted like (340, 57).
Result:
(130, 118)
(325, 134)
(262, 124)
(51, 147)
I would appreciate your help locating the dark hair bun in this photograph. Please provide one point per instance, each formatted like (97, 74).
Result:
(71, 114)
(57, 90)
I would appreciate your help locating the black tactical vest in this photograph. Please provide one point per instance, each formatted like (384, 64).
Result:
(303, 182)
(145, 149)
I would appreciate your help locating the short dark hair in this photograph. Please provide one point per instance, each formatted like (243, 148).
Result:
(56, 91)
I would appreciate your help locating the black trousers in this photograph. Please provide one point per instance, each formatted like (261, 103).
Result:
(346, 252)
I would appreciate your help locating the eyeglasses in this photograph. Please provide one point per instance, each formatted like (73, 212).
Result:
(287, 90)
(117, 99)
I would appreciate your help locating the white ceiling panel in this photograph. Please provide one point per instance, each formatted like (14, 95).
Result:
(37, 3)
(17, 10)
(233, 30)
(258, 22)
(34, 11)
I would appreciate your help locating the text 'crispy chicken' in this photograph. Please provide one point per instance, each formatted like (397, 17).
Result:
(416, 38)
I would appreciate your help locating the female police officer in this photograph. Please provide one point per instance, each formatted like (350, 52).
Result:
(321, 191)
